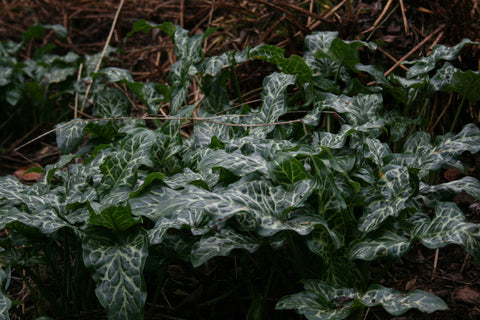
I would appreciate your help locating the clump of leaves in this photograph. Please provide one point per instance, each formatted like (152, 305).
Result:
(323, 189)
(32, 89)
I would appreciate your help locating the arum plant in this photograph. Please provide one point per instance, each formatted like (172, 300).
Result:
(244, 181)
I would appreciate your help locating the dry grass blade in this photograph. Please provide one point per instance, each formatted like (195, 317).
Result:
(404, 18)
(418, 46)
(103, 53)
(379, 19)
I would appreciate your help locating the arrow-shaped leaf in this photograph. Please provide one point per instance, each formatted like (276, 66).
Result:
(117, 267)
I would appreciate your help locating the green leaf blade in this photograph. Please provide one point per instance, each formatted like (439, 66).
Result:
(117, 267)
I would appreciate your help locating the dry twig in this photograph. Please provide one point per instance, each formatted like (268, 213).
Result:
(103, 52)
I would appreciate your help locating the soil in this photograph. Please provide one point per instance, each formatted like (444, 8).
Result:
(448, 272)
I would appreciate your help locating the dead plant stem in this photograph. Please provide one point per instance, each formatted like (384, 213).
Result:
(99, 63)
(418, 46)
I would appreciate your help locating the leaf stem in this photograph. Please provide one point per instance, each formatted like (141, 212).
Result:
(236, 83)
(458, 111)
(158, 290)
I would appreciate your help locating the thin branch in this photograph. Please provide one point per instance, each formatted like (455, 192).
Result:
(99, 63)
(79, 77)
(377, 22)
(404, 17)
(418, 46)
(391, 58)
(338, 6)
(207, 119)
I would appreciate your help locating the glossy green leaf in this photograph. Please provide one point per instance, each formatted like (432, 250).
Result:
(449, 226)
(44, 218)
(146, 204)
(447, 190)
(263, 205)
(111, 103)
(389, 244)
(37, 31)
(119, 168)
(274, 103)
(393, 194)
(323, 301)
(467, 83)
(236, 162)
(397, 303)
(420, 153)
(117, 266)
(145, 27)
(343, 52)
(439, 52)
(221, 244)
(5, 302)
(70, 135)
(267, 52)
(117, 218)
(285, 169)
(443, 77)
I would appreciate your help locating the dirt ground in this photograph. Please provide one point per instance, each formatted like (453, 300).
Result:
(404, 30)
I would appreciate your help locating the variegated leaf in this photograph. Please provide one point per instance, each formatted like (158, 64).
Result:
(114, 74)
(324, 301)
(395, 194)
(221, 244)
(419, 152)
(274, 103)
(117, 266)
(320, 301)
(398, 124)
(117, 218)
(110, 103)
(213, 65)
(439, 52)
(389, 244)
(187, 48)
(44, 218)
(343, 52)
(443, 77)
(450, 227)
(33, 197)
(314, 307)
(265, 204)
(447, 190)
(236, 162)
(286, 169)
(119, 168)
(5, 302)
(338, 140)
(376, 151)
(204, 131)
(196, 220)
(70, 135)
(146, 204)
(397, 303)
(180, 180)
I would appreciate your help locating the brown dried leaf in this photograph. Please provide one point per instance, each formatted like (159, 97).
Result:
(467, 294)
(29, 176)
